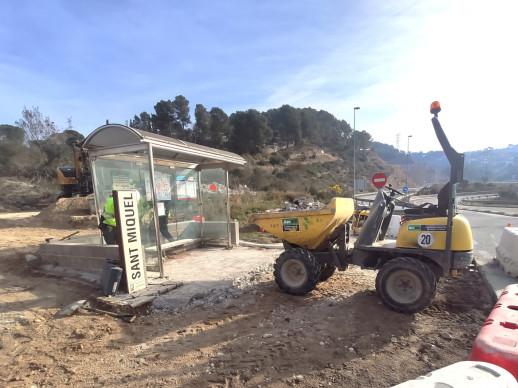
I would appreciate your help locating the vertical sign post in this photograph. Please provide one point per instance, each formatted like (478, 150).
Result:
(130, 246)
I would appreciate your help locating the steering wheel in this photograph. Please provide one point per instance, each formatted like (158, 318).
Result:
(392, 191)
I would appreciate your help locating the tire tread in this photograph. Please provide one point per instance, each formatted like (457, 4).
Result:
(429, 284)
(312, 269)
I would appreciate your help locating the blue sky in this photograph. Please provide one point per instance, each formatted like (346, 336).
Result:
(101, 59)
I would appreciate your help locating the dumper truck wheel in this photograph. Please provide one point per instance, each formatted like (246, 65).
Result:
(296, 271)
(406, 285)
(326, 271)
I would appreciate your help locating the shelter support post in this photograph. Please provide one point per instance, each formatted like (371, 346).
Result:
(229, 237)
(96, 201)
(155, 211)
(200, 205)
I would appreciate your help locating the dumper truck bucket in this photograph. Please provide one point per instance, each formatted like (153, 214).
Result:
(307, 229)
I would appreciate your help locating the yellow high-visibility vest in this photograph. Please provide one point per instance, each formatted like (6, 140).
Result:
(109, 213)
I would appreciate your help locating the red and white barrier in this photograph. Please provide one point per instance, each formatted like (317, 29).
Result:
(507, 251)
(464, 374)
(497, 342)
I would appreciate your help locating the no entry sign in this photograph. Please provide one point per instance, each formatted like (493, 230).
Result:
(379, 180)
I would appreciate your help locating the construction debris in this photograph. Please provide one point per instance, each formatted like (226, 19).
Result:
(299, 204)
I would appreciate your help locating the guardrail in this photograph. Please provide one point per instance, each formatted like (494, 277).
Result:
(489, 202)
(478, 196)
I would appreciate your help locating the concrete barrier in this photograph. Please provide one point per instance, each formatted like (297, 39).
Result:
(507, 251)
(464, 374)
(84, 253)
(87, 254)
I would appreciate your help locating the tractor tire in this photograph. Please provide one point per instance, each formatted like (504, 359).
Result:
(326, 271)
(406, 285)
(296, 272)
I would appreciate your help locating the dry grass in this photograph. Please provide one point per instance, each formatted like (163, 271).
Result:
(26, 194)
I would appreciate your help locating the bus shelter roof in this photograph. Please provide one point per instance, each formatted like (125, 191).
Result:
(113, 139)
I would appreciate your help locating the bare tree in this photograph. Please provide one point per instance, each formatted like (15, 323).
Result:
(36, 126)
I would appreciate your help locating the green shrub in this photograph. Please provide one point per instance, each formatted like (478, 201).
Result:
(285, 153)
(276, 159)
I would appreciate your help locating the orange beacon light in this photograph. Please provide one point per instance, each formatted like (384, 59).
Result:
(435, 107)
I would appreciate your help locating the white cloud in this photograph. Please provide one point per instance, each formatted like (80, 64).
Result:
(461, 55)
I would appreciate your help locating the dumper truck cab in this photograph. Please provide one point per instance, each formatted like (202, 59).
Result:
(425, 250)
(434, 242)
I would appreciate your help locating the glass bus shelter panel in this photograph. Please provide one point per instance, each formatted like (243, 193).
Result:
(214, 195)
(165, 199)
(185, 207)
(128, 172)
(214, 198)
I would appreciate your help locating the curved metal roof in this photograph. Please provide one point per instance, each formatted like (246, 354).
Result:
(118, 138)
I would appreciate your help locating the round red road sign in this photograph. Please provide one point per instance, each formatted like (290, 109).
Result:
(379, 180)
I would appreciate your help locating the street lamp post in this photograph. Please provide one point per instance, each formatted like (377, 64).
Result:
(485, 178)
(407, 159)
(354, 152)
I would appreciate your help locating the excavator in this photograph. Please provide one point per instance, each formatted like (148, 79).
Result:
(76, 180)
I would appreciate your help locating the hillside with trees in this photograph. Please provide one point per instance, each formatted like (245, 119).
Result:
(302, 151)
(287, 148)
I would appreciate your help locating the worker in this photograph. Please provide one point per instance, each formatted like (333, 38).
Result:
(107, 223)
(163, 222)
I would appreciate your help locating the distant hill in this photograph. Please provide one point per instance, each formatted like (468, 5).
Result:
(313, 170)
(489, 165)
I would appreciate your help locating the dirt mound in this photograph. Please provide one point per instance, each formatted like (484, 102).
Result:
(68, 212)
(68, 205)
(26, 194)
(6, 208)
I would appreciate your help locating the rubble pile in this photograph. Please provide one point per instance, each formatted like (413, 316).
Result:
(299, 204)
(242, 189)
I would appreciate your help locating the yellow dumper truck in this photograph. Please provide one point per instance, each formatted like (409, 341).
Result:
(436, 242)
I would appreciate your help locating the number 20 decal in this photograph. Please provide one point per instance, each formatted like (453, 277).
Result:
(425, 239)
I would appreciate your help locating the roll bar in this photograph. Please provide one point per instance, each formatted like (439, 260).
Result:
(455, 158)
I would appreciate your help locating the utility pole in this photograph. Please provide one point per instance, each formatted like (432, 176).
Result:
(486, 179)
(407, 159)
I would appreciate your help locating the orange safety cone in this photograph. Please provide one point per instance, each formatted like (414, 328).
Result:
(508, 224)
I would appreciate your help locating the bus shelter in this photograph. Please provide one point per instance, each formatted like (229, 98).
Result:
(183, 187)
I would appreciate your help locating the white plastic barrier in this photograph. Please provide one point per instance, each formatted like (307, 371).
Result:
(507, 251)
(472, 374)
(394, 225)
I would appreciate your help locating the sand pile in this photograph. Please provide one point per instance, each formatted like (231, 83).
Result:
(68, 213)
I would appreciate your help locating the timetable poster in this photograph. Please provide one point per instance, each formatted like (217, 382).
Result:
(186, 187)
(162, 187)
(120, 180)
